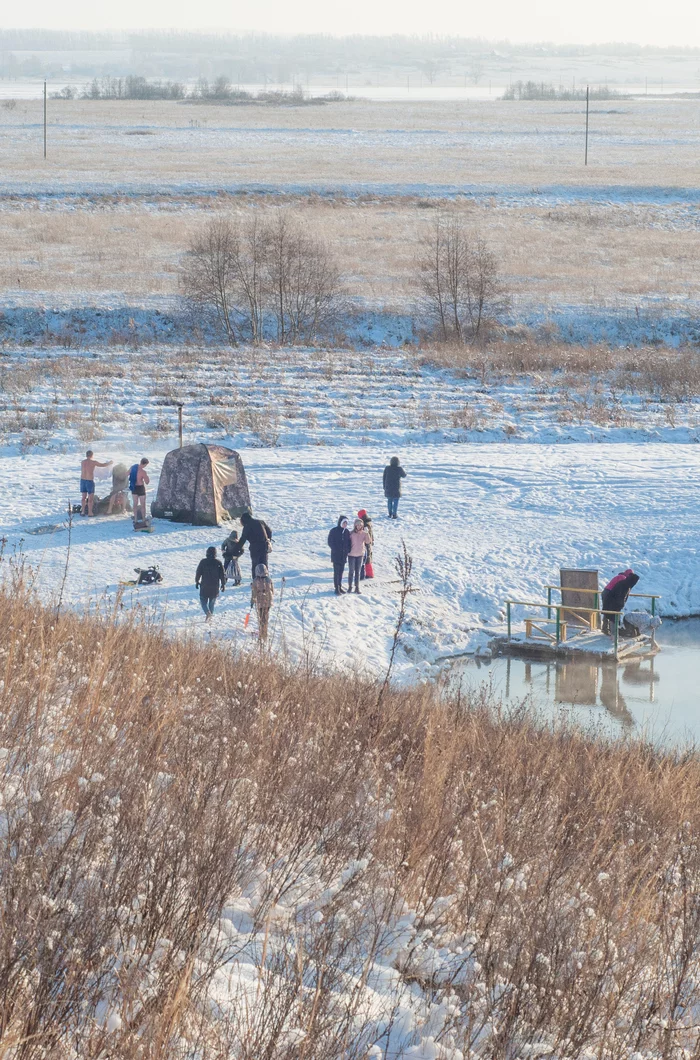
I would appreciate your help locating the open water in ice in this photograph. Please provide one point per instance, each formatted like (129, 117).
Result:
(657, 697)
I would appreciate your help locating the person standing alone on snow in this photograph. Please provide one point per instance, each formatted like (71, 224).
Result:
(261, 596)
(339, 544)
(209, 579)
(393, 474)
(359, 538)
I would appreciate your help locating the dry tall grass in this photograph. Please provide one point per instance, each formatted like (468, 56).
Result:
(667, 373)
(209, 856)
(593, 255)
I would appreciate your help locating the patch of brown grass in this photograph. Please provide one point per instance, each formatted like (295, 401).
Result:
(530, 886)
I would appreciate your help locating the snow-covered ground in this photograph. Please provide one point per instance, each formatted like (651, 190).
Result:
(482, 521)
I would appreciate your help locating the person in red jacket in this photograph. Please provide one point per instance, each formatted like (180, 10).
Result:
(615, 596)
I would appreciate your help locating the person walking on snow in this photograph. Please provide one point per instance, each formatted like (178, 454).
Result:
(262, 593)
(87, 480)
(359, 538)
(339, 544)
(369, 548)
(258, 536)
(209, 579)
(393, 474)
(231, 564)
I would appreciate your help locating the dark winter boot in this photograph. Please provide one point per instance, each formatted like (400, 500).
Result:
(357, 588)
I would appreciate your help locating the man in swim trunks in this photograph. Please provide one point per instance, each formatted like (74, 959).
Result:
(139, 492)
(87, 480)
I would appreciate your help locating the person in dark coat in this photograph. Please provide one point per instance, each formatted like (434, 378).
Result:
(615, 595)
(258, 536)
(393, 474)
(209, 579)
(339, 544)
(231, 565)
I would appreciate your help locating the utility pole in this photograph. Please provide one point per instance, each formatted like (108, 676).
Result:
(44, 119)
(585, 156)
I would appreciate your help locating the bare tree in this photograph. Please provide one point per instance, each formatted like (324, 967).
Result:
(263, 267)
(224, 269)
(303, 281)
(250, 275)
(209, 272)
(459, 279)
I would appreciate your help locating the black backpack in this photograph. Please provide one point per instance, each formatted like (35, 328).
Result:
(149, 576)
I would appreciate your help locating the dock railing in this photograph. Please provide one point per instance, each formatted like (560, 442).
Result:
(561, 610)
(597, 593)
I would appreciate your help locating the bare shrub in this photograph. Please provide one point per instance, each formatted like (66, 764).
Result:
(304, 282)
(248, 271)
(208, 273)
(459, 279)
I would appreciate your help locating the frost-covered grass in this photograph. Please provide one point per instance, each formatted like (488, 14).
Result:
(206, 855)
(270, 397)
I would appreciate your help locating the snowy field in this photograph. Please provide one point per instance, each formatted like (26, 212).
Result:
(105, 221)
(482, 522)
(358, 145)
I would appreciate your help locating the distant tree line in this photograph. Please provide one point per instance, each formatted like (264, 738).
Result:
(131, 87)
(218, 91)
(545, 90)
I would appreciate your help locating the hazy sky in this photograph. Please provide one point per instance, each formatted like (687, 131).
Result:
(640, 21)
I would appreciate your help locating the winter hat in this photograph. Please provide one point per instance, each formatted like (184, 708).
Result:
(342, 519)
(359, 525)
(362, 514)
(261, 571)
(394, 461)
(211, 552)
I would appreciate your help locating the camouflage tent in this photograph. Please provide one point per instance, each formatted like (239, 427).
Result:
(201, 484)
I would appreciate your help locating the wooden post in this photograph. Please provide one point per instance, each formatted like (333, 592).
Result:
(179, 423)
(44, 119)
(585, 156)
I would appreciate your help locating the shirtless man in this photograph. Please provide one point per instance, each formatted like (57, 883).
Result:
(139, 494)
(87, 480)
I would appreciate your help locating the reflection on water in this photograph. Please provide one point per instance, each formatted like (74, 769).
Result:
(658, 696)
